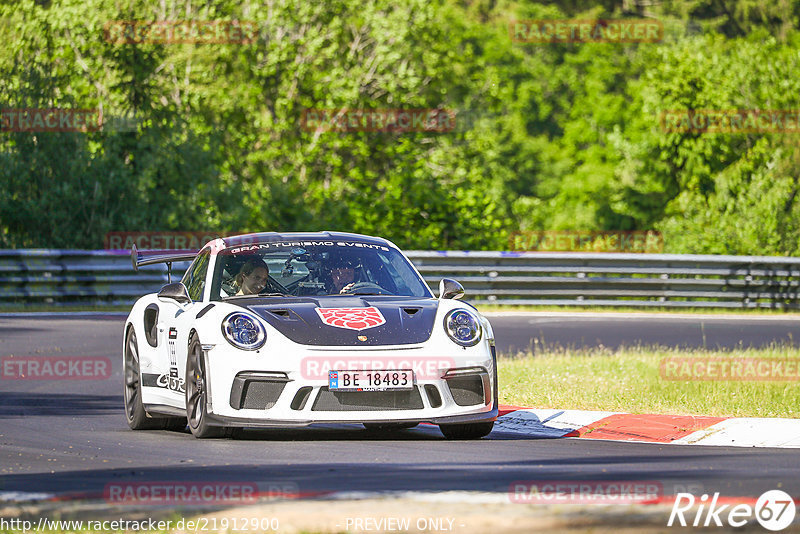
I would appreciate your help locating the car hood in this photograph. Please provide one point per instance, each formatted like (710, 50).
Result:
(347, 320)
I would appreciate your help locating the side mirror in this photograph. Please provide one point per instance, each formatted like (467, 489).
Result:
(450, 289)
(176, 291)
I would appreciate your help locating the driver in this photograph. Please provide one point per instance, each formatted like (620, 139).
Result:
(343, 274)
(252, 277)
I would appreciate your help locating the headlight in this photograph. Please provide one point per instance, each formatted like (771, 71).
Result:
(243, 331)
(463, 327)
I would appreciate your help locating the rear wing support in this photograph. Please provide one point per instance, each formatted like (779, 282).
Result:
(138, 260)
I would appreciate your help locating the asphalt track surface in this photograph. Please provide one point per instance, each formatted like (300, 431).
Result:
(531, 331)
(68, 437)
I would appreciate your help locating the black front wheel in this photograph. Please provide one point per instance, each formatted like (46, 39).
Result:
(196, 393)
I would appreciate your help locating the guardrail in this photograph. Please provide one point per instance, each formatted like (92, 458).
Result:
(74, 277)
(69, 277)
(605, 279)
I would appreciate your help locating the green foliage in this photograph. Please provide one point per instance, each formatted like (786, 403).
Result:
(556, 136)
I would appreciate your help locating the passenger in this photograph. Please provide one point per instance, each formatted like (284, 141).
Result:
(252, 277)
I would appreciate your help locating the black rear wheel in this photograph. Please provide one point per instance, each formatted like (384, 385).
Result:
(135, 413)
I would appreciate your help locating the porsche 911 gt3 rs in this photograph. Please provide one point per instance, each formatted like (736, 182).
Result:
(277, 330)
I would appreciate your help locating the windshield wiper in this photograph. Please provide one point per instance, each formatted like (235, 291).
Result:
(356, 293)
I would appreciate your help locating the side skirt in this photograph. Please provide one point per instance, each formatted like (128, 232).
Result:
(163, 409)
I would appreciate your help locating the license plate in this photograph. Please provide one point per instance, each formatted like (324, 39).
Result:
(390, 379)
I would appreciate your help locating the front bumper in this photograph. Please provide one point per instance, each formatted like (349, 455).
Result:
(218, 420)
(262, 393)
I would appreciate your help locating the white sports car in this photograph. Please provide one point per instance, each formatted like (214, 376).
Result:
(276, 330)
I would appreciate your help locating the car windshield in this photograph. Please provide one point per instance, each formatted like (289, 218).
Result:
(315, 268)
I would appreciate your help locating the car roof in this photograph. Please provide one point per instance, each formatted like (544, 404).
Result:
(271, 237)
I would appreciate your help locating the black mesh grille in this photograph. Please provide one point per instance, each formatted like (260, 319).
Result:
(466, 390)
(255, 394)
(341, 401)
(261, 395)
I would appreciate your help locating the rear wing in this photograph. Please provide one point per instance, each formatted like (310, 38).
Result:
(138, 259)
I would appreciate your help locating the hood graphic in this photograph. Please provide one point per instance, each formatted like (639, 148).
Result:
(352, 318)
(346, 321)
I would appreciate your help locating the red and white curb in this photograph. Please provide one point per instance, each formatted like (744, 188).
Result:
(650, 428)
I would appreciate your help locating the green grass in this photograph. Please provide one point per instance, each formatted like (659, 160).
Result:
(628, 380)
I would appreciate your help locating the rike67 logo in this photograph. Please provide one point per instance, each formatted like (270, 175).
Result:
(774, 510)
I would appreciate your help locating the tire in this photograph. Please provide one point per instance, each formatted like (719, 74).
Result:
(388, 427)
(196, 414)
(135, 413)
(466, 430)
